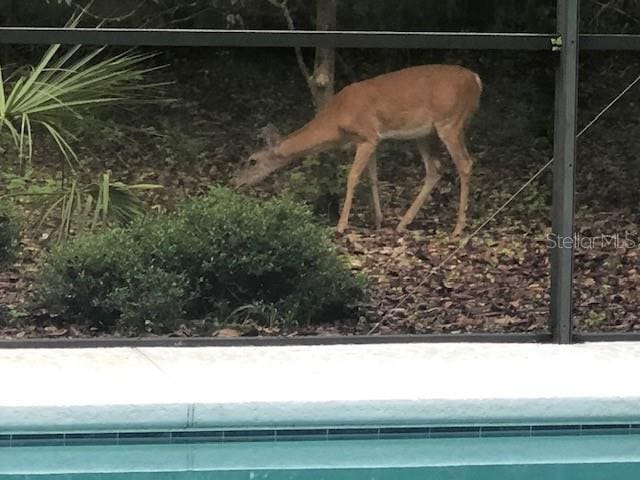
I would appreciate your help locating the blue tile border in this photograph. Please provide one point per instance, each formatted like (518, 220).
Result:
(39, 439)
(310, 434)
(249, 435)
(555, 430)
(400, 433)
(612, 429)
(455, 432)
(301, 434)
(143, 437)
(506, 431)
(90, 439)
(197, 436)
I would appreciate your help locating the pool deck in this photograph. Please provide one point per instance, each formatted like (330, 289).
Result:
(67, 390)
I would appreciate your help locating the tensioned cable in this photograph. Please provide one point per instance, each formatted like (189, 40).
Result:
(464, 242)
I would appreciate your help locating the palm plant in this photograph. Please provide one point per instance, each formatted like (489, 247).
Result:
(60, 89)
(85, 207)
(74, 206)
(63, 86)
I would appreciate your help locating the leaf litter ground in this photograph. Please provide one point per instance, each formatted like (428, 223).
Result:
(499, 282)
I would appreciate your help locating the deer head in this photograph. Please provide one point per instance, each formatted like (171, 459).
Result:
(263, 162)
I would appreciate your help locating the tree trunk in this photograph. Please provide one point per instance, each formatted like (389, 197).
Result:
(323, 78)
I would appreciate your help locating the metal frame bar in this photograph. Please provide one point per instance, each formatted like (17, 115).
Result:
(503, 338)
(275, 341)
(564, 165)
(304, 38)
(274, 38)
(609, 42)
(606, 337)
(562, 211)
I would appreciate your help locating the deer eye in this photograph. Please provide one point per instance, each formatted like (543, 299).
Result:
(252, 162)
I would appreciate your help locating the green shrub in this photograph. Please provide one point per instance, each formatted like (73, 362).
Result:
(9, 233)
(219, 257)
(320, 182)
(106, 281)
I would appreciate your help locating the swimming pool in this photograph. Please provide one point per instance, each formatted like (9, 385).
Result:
(328, 412)
(551, 453)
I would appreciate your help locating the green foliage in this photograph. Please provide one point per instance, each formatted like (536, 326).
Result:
(79, 207)
(87, 207)
(223, 256)
(59, 89)
(594, 319)
(532, 204)
(320, 181)
(104, 280)
(9, 232)
(152, 300)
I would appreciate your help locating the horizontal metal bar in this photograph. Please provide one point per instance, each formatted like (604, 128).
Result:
(609, 42)
(305, 38)
(274, 38)
(106, 342)
(286, 434)
(274, 341)
(606, 337)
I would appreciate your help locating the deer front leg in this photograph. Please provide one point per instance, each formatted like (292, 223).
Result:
(454, 141)
(375, 193)
(363, 155)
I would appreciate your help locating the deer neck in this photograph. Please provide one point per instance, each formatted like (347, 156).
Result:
(318, 135)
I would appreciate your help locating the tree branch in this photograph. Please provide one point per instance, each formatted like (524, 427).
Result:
(299, 57)
(86, 11)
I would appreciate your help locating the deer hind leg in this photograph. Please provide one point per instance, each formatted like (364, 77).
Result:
(375, 193)
(363, 155)
(432, 167)
(453, 138)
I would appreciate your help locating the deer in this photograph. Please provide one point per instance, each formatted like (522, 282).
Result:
(415, 103)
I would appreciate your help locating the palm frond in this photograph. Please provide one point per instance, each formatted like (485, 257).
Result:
(78, 207)
(62, 86)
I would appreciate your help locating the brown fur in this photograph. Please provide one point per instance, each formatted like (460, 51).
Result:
(407, 104)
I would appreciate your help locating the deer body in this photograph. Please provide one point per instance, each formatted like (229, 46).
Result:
(409, 104)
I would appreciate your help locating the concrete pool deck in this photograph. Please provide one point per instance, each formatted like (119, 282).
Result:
(119, 389)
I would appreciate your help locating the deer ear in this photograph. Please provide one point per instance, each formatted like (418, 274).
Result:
(270, 135)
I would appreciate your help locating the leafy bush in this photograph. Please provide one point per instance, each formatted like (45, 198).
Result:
(222, 257)
(321, 182)
(106, 280)
(9, 233)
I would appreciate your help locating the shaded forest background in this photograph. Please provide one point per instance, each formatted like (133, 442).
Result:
(214, 102)
(614, 16)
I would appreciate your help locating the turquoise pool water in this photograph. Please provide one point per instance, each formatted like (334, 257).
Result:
(541, 472)
(566, 457)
